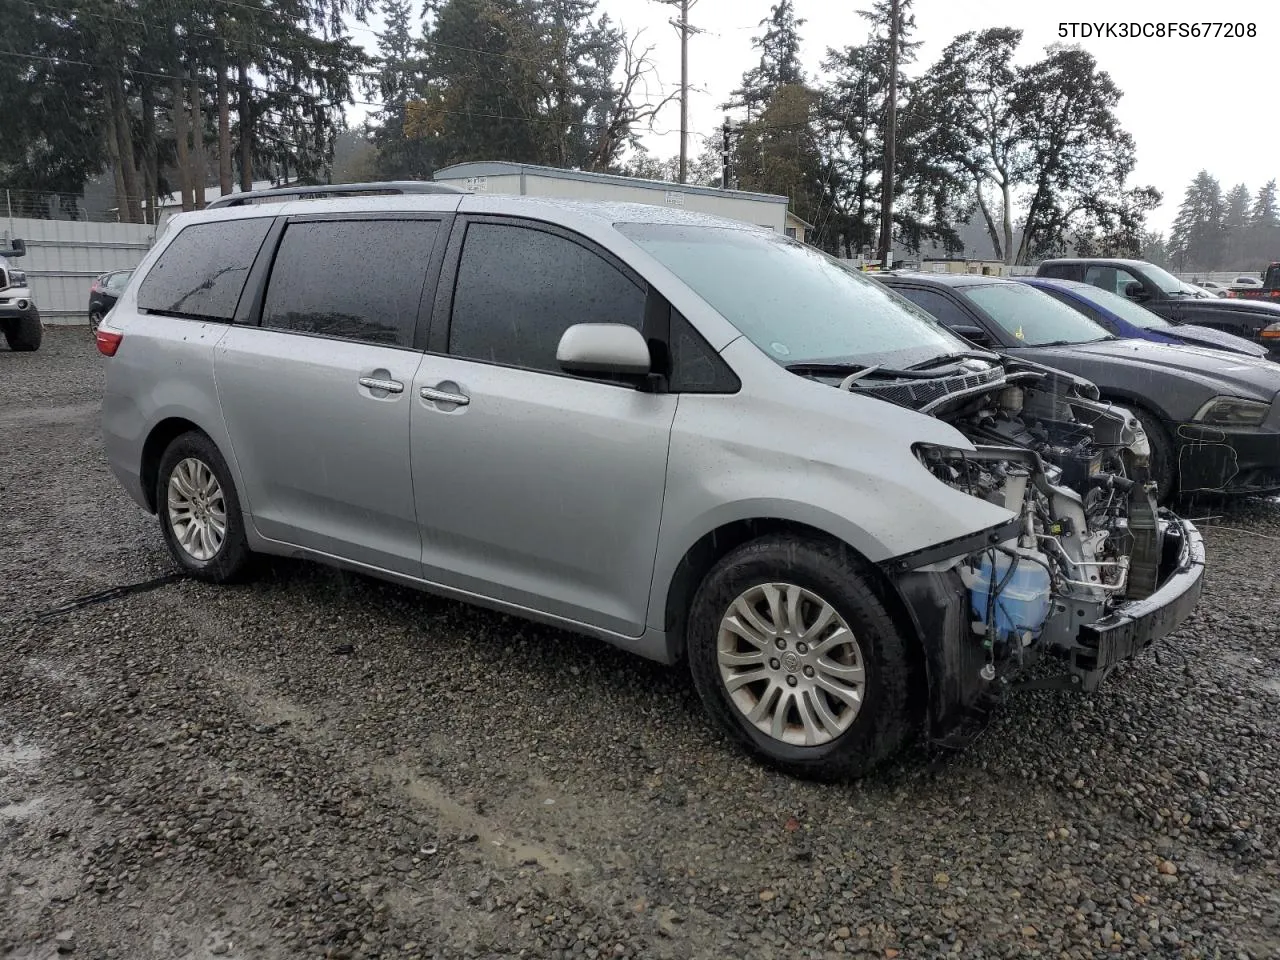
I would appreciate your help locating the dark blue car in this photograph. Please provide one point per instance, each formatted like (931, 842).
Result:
(1121, 317)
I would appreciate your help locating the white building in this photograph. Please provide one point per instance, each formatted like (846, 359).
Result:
(523, 179)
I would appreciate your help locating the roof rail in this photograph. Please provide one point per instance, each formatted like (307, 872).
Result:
(377, 189)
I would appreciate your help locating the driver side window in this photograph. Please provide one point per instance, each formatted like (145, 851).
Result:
(1113, 279)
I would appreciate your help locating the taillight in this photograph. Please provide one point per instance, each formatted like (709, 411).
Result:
(1272, 332)
(108, 341)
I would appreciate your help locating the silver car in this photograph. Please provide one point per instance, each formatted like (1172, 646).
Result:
(689, 437)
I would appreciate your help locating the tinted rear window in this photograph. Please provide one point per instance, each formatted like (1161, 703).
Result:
(354, 279)
(202, 272)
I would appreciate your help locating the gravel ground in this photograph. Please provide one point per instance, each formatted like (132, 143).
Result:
(320, 765)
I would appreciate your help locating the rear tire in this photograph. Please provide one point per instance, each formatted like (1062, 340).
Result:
(841, 701)
(95, 318)
(25, 333)
(199, 511)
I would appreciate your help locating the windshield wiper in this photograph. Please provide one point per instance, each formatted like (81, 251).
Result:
(819, 368)
(952, 357)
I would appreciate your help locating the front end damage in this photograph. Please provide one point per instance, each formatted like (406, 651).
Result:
(1085, 573)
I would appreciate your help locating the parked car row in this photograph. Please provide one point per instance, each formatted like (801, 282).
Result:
(1266, 289)
(688, 437)
(1165, 295)
(1209, 412)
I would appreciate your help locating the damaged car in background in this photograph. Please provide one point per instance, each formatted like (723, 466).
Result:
(688, 437)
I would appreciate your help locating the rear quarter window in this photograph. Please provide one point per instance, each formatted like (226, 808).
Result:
(1059, 271)
(201, 273)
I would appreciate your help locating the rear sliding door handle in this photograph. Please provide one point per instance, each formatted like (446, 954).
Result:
(444, 396)
(390, 386)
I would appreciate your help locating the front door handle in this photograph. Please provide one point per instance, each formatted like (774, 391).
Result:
(390, 386)
(444, 396)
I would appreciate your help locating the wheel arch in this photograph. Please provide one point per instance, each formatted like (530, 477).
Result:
(153, 448)
(712, 546)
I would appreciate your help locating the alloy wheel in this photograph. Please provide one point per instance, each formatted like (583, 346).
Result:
(791, 664)
(197, 509)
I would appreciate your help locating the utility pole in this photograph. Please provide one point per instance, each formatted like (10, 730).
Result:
(724, 156)
(890, 138)
(685, 30)
(684, 90)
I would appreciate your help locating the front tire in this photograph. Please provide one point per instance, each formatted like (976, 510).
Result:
(1163, 455)
(25, 333)
(797, 659)
(199, 511)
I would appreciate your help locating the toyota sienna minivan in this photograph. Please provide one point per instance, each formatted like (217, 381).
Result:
(689, 437)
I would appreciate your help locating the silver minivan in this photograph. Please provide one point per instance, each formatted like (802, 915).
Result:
(689, 437)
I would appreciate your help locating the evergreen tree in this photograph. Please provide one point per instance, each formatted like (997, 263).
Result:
(779, 65)
(1198, 237)
(1264, 230)
(1235, 222)
(399, 80)
(582, 56)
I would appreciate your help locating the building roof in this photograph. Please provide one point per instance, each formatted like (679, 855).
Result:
(502, 168)
(800, 220)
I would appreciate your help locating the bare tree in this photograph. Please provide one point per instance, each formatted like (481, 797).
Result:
(633, 106)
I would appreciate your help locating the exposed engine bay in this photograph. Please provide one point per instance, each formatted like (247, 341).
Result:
(1073, 469)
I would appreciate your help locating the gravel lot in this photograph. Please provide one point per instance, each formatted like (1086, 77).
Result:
(320, 765)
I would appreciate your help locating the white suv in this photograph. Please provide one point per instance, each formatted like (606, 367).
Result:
(19, 318)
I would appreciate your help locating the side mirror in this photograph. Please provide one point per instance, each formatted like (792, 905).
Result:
(972, 334)
(17, 248)
(1135, 291)
(604, 349)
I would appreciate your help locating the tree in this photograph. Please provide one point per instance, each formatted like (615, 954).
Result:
(1079, 156)
(1235, 223)
(704, 171)
(1198, 237)
(779, 152)
(779, 65)
(144, 88)
(54, 124)
(399, 80)
(970, 99)
(1264, 227)
(1155, 249)
(1039, 143)
(852, 148)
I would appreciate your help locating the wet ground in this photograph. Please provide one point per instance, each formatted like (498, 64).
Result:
(320, 765)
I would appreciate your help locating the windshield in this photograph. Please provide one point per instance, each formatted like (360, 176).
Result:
(1200, 293)
(1031, 317)
(792, 301)
(1166, 281)
(1122, 307)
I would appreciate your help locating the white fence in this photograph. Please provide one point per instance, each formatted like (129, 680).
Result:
(64, 256)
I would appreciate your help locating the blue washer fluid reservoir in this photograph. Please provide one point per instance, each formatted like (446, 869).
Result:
(1022, 606)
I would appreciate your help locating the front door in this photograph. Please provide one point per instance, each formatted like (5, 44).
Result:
(317, 399)
(534, 487)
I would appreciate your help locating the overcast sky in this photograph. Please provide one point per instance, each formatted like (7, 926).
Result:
(1184, 99)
